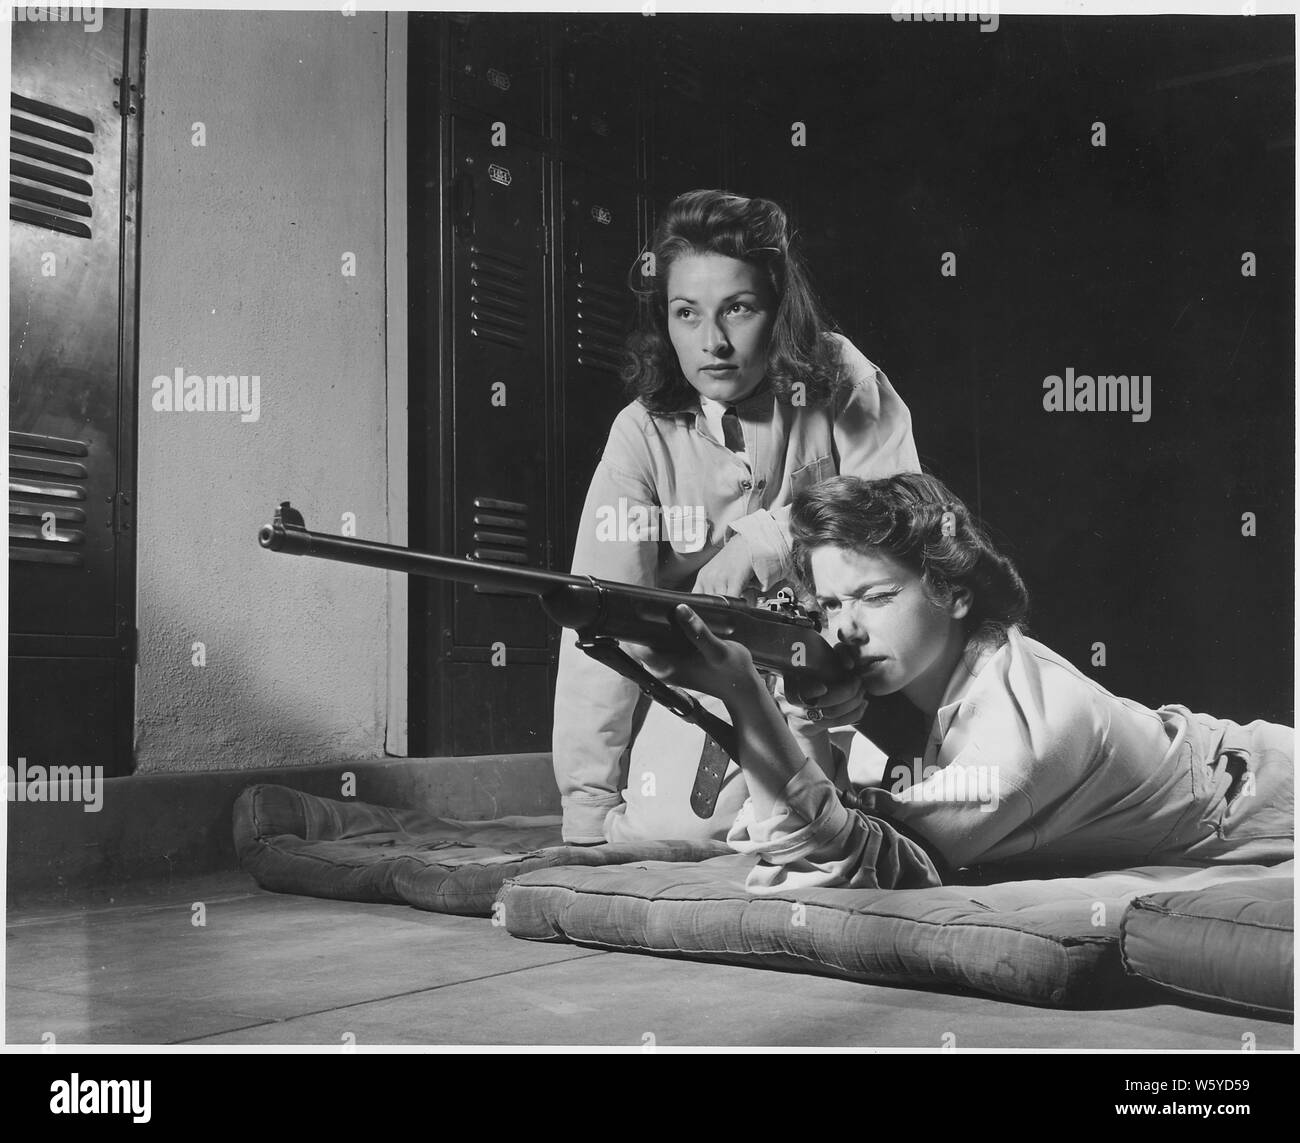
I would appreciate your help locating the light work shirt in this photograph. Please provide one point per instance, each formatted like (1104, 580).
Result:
(1029, 762)
(714, 411)
(665, 497)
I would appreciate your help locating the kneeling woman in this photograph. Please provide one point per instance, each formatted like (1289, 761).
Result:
(1025, 761)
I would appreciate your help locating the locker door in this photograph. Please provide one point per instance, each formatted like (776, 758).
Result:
(74, 139)
(686, 131)
(498, 64)
(598, 96)
(498, 439)
(600, 246)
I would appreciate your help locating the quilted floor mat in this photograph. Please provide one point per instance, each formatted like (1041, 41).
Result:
(292, 842)
(1052, 942)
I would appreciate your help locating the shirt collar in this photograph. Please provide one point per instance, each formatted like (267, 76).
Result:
(961, 683)
(758, 406)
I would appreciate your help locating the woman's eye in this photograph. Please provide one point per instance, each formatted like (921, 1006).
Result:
(880, 597)
(683, 314)
(741, 307)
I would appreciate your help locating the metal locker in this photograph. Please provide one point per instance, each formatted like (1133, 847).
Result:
(498, 710)
(74, 143)
(498, 64)
(600, 248)
(597, 115)
(499, 377)
(490, 305)
(686, 122)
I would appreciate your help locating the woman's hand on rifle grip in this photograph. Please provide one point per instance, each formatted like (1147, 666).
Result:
(809, 700)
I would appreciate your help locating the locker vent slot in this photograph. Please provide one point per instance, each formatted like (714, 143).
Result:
(498, 301)
(599, 324)
(47, 491)
(41, 192)
(500, 535)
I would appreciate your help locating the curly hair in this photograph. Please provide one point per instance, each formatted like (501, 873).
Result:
(915, 519)
(753, 230)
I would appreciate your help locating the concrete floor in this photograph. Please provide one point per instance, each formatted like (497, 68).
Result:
(272, 969)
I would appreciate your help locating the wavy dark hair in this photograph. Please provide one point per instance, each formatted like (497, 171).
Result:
(903, 516)
(753, 230)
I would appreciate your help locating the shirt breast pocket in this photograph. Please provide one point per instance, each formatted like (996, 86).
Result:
(686, 528)
(812, 473)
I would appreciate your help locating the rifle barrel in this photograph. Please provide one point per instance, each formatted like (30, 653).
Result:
(288, 534)
(778, 642)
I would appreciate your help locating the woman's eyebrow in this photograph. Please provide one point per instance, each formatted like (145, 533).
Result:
(728, 298)
(860, 588)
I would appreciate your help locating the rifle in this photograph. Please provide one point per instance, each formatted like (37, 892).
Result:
(781, 637)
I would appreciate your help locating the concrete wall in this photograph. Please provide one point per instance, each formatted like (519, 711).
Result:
(242, 244)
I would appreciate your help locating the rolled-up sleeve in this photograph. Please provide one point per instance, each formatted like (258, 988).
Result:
(811, 840)
(767, 532)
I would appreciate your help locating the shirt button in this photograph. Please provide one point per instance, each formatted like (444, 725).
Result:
(761, 485)
(746, 484)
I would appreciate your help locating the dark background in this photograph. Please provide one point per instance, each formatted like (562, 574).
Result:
(921, 139)
(1123, 259)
